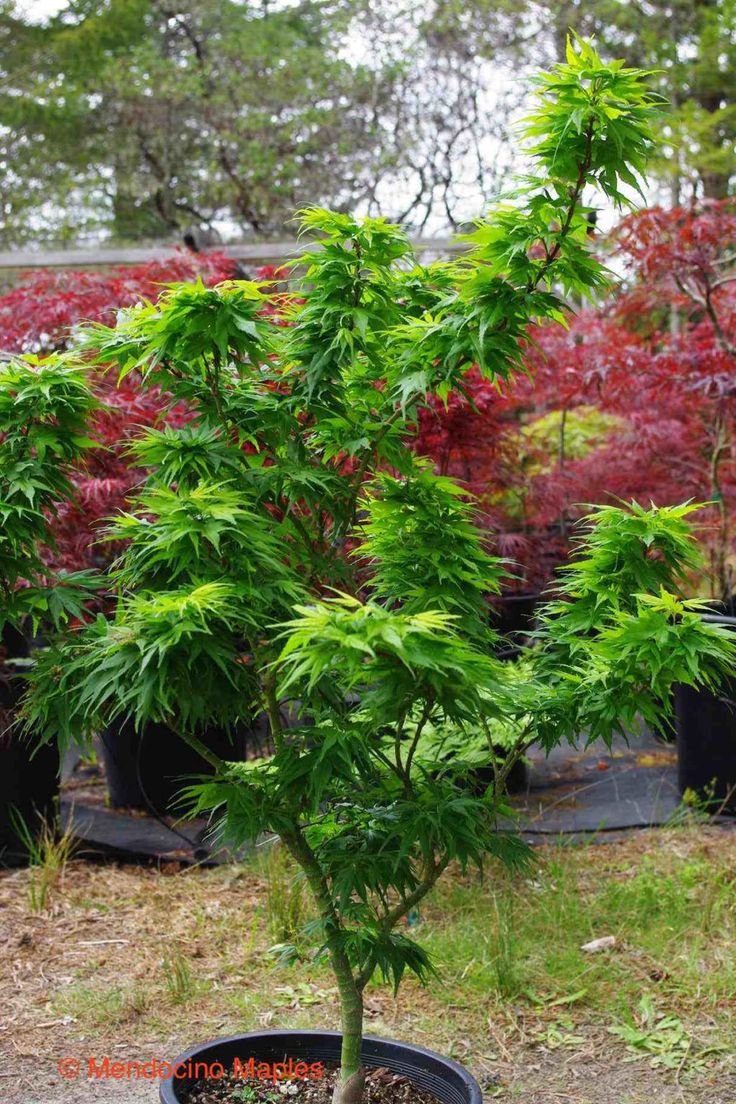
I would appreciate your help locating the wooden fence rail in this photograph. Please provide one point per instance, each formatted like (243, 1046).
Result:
(249, 252)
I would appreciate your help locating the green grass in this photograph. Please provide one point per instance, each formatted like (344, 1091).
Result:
(178, 978)
(514, 983)
(49, 852)
(108, 1007)
(517, 940)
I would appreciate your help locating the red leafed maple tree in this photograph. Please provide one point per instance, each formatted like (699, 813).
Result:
(38, 316)
(637, 400)
(683, 301)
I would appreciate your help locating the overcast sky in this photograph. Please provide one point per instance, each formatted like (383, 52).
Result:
(37, 9)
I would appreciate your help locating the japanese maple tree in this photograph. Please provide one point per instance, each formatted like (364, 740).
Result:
(659, 361)
(683, 303)
(235, 593)
(635, 399)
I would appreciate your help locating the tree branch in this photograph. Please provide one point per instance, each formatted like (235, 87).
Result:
(575, 195)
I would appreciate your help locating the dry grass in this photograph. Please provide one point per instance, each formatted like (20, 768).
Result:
(133, 962)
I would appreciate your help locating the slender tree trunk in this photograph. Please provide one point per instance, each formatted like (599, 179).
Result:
(562, 459)
(351, 1082)
(721, 447)
(349, 1088)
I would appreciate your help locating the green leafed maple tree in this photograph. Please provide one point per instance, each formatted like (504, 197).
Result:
(289, 548)
(45, 405)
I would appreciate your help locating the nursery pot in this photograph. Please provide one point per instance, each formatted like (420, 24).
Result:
(447, 1080)
(29, 776)
(512, 616)
(705, 724)
(517, 780)
(147, 769)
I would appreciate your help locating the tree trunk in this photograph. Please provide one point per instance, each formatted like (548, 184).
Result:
(349, 1088)
(721, 448)
(351, 1078)
(715, 184)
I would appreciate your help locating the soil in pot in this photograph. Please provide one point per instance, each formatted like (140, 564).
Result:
(381, 1087)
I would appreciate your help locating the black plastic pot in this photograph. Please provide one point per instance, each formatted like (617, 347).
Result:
(29, 778)
(14, 643)
(447, 1080)
(146, 770)
(705, 724)
(517, 780)
(514, 613)
(513, 618)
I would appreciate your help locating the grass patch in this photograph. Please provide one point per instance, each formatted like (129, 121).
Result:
(673, 917)
(516, 991)
(666, 988)
(178, 977)
(49, 852)
(288, 905)
(103, 1008)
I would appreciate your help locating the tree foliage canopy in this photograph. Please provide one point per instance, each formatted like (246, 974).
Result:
(146, 118)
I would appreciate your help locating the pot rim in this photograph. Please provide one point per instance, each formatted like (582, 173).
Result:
(718, 619)
(168, 1096)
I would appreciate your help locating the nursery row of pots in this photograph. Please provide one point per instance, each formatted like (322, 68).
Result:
(144, 771)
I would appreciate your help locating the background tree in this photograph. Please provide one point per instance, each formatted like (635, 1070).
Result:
(144, 116)
(692, 44)
(634, 400)
(232, 113)
(446, 116)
